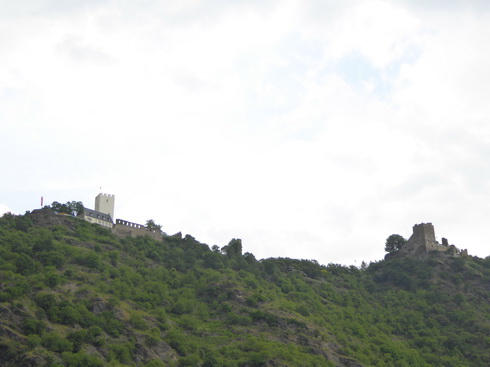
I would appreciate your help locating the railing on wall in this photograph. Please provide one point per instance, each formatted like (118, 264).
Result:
(130, 224)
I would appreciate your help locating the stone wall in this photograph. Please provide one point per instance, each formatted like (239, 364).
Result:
(123, 228)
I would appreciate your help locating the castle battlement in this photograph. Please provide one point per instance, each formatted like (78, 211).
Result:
(130, 224)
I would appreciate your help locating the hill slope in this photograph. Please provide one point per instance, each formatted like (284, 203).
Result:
(73, 294)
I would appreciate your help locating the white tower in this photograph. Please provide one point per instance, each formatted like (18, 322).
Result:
(104, 203)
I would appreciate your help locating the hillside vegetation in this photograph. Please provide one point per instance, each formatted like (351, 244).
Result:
(73, 294)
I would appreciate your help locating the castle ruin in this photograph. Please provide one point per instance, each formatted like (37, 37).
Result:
(422, 242)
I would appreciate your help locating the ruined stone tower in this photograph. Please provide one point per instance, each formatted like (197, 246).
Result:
(422, 241)
(423, 235)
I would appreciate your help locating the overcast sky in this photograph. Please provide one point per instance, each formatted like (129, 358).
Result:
(309, 129)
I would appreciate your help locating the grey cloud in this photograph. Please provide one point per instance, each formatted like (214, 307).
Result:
(177, 13)
(321, 11)
(416, 184)
(455, 160)
(75, 49)
(23, 8)
(447, 5)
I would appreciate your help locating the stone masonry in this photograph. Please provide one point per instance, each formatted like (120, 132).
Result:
(422, 242)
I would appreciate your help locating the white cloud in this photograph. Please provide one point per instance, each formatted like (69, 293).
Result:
(4, 209)
(450, 77)
(309, 129)
(379, 30)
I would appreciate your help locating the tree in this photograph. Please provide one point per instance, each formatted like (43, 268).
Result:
(70, 207)
(234, 248)
(153, 227)
(394, 243)
(76, 207)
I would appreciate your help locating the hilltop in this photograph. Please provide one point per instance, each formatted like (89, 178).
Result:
(75, 294)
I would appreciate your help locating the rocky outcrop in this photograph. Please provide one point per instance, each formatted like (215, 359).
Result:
(46, 217)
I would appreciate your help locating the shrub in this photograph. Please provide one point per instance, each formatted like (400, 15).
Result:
(95, 336)
(45, 300)
(81, 359)
(26, 266)
(43, 241)
(78, 338)
(190, 361)
(33, 326)
(33, 341)
(303, 310)
(237, 319)
(267, 317)
(107, 321)
(121, 352)
(54, 342)
(89, 259)
(51, 258)
(177, 340)
(52, 280)
(138, 322)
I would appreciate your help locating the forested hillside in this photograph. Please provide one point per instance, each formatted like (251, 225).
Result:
(73, 294)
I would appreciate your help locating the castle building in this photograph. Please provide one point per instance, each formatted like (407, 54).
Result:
(96, 217)
(103, 213)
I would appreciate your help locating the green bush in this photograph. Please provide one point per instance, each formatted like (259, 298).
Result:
(95, 336)
(89, 259)
(138, 322)
(33, 341)
(25, 265)
(78, 338)
(189, 361)
(178, 341)
(33, 326)
(237, 319)
(121, 352)
(56, 343)
(52, 280)
(81, 359)
(109, 323)
(45, 300)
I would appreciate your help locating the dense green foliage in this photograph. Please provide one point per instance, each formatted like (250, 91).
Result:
(73, 294)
